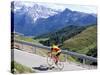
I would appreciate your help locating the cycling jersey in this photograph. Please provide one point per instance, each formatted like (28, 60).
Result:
(55, 48)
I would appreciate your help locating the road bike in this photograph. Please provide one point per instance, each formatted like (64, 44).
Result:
(51, 60)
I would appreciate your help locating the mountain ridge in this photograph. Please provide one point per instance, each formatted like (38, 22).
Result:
(30, 23)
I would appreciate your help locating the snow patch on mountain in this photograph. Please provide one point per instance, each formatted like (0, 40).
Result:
(34, 10)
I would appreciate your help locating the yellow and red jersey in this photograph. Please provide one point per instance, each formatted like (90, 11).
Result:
(55, 48)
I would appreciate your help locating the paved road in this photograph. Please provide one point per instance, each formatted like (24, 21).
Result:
(33, 60)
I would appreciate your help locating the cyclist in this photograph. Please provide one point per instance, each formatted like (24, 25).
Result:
(56, 51)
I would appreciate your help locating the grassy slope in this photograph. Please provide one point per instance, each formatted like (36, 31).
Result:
(82, 42)
(19, 68)
(29, 39)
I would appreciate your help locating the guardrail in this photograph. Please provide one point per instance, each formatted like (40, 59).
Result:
(81, 56)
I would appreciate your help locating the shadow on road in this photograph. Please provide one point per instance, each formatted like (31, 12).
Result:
(42, 68)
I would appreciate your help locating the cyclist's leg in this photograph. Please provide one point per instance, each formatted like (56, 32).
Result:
(57, 57)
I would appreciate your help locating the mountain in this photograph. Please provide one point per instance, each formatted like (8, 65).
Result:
(25, 16)
(65, 18)
(33, 10)
(35, 19)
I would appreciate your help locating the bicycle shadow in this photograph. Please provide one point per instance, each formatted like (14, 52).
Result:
(43, 68)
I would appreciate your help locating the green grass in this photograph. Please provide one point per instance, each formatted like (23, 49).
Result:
(19, 68)
(30, 39)
(82, 42)
(24, 38)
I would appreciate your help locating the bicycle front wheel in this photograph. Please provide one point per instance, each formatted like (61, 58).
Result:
(60, 65)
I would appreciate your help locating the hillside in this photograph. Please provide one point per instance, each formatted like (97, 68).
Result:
(61, 35)
(85, 42)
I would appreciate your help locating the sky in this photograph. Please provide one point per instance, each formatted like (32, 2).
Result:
(81, 8)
